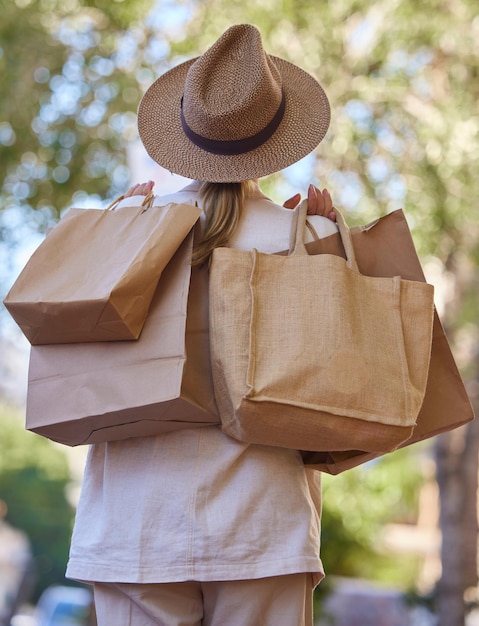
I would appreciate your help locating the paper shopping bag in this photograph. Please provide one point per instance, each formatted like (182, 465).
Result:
(385, 248)
(93, 277)
(94, 392)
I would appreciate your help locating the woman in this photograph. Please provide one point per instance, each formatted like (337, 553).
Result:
(193, 527)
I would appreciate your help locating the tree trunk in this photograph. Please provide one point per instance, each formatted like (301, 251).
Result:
(470, 521)
(457, 470)
(457, 462)
(450, 588)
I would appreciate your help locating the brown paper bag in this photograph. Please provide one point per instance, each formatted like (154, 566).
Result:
(93, 277)
(385, 248)
(89, 393)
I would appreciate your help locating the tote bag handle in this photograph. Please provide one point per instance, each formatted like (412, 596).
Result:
(297, 246)
(144, 206)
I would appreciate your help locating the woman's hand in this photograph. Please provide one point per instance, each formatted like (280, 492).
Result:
(319, 203)
(140, 189)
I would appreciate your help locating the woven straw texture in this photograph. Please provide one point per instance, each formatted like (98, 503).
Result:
(307, 353)
(231, 92)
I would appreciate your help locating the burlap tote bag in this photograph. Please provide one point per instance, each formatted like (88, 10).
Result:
(307, 353)
(94, 276)
(385, 247)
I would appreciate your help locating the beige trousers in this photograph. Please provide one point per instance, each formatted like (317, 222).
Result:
(276, 601)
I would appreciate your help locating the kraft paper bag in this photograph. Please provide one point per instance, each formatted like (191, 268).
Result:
(385, 248)
(95, 392)
(93, 277)
(307, 351)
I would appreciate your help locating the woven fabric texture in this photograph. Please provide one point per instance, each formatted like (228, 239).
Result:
(308, 353)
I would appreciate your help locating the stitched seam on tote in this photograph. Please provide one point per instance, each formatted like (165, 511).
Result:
(399, 336)
(360, 414)
(250, 372)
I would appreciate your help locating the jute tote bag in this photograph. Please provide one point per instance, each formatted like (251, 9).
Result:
(308, 353)
(93, 277)
(95, 392)
(385, 248)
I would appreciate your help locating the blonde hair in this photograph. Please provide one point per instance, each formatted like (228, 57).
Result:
(222, 204)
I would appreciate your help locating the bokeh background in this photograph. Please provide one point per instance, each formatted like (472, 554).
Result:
(399, 534)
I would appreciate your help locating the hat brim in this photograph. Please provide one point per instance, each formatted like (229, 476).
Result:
(304, 125)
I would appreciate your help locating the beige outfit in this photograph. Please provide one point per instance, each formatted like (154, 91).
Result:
(279, 601)
(196, 505)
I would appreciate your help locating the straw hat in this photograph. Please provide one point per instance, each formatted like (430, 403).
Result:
(234, 113)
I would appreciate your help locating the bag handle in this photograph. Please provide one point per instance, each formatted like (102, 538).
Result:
(312, 230)
(297, 246)
(145, 205)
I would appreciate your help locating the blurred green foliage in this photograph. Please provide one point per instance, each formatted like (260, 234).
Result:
(70, 102)
(358, 505)
(34, 476)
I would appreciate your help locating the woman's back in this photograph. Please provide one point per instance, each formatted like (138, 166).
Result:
(263, 224)
(185, 503)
